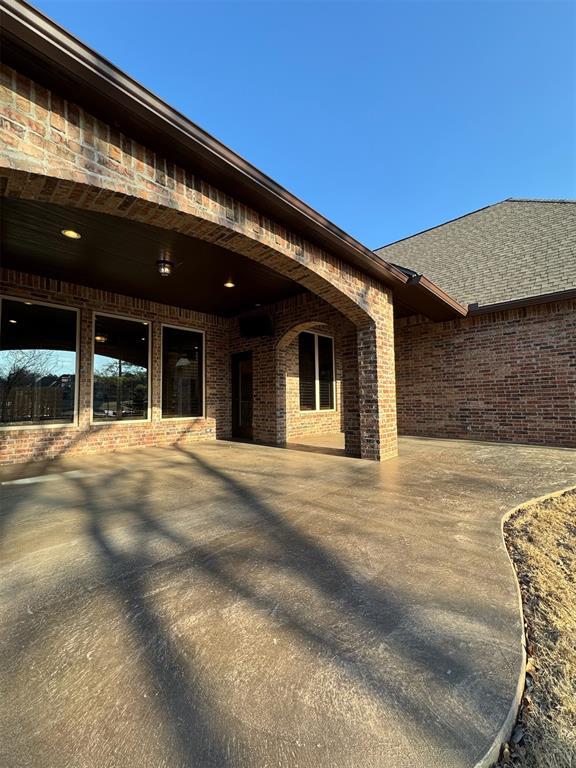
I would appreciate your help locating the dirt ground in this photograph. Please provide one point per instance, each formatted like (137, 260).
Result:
(541, 540)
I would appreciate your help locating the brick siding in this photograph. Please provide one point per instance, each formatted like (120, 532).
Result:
(33, 444)
(507, 376)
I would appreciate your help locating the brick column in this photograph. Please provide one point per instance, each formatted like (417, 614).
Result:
(350, 407)
(377, 388)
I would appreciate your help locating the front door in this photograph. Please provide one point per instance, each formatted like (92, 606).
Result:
(242, 395)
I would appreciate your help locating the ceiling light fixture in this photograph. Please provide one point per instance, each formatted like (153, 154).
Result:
(71, 233)
(165, 267)
(13, 321)
(28, 303)
(229, 284)
(101, 338)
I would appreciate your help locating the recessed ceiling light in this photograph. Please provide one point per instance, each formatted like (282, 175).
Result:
(164, 267)
(13, 321)
(143, 338)
(101, 338)
(229, 284)
(28, 303)
(71, 233)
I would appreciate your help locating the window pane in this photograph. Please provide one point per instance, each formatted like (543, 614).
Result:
(307, 372)
(120, 369)
(37, 363)
(326, 372)
(182, 373)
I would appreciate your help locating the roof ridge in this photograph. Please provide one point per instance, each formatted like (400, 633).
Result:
(443, 224)
(538, 200)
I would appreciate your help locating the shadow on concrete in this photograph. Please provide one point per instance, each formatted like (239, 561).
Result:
(362, 609)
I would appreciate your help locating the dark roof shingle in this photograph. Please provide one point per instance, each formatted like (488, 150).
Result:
(511, 250)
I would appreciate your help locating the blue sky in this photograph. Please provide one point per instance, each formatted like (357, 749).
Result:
(387, 117)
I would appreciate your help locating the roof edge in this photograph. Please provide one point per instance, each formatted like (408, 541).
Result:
(439, 293)
(471, 213)
(527, 301)
(437, 226)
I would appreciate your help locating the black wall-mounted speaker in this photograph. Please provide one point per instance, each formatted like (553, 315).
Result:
(256, 325)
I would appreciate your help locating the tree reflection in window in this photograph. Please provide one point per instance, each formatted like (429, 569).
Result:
(120, 388)
(37, 364)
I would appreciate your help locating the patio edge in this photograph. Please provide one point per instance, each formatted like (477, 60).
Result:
(507, 726)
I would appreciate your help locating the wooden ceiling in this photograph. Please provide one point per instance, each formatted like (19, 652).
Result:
(119, 255)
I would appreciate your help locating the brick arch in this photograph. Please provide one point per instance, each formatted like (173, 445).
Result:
(307, 265)
(290, 335)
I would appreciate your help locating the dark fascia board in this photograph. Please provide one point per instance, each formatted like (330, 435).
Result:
(424, 297)
(528, 301)
(427, 285)
(39, 37)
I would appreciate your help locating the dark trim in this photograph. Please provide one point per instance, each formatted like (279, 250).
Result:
(427, 285)
(529, 301)
(109, 88)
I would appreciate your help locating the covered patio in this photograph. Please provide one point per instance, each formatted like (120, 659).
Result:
(234, 605)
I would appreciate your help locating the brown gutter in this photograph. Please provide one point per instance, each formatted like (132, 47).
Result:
(544, 298)
(33, 40)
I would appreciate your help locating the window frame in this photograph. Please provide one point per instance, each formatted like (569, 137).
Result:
(192, 330)
(116, 422)
(57, 424)
(317, 376)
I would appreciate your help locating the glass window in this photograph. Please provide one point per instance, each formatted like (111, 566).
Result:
(307, 371)
(37, 363)
(121, 385)
(325, 372)
(182, 372)
(316, 372)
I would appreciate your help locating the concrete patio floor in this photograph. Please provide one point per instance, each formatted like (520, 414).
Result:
(232, 606)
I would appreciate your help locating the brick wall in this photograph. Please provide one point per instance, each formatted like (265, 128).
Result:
(33, 444)
(277, 416)
(507, 376)
(54, 151)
